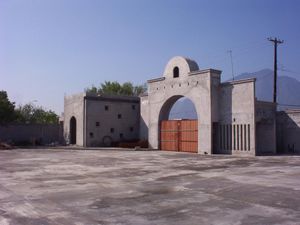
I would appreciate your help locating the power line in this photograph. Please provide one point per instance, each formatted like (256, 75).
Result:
(283, 68)
(291, 105)
(222, 57)
(289, 71)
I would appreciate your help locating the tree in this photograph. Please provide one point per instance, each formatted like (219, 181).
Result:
(6, 108)
(30, 113)
(127, 89)
(115, 88)
(92, 89)
(110, 88)
(139, 89)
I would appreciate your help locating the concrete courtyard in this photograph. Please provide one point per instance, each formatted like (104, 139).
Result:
(64, 187)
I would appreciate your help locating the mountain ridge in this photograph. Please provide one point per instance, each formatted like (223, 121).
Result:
(288, 93)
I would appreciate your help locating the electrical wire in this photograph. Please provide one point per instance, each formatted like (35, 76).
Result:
(291, 105)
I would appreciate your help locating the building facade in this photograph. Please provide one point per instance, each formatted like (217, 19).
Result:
(92, 120)
(230, 120)
(227, 113)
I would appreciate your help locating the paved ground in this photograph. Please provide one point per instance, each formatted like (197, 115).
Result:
(125, 187)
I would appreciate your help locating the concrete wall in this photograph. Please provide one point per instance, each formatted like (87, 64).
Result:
(265, 127)
(288, 131)
(235, 130)
(144, 117)
(226, 112)
(195, 85)
(40, 133)
(74, 106)
(103, 123)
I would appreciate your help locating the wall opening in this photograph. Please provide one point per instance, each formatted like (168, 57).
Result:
(183, 108)
(175, 72)
(73, 130)
(178, 125)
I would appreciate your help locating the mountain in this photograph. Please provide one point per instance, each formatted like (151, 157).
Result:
(288, 88)
(288, 93)
(183, 109)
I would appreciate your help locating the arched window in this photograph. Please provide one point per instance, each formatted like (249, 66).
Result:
(176, 72)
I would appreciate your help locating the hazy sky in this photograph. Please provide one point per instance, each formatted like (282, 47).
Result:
(56, 47)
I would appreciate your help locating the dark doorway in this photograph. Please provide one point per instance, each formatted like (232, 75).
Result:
(73, 131)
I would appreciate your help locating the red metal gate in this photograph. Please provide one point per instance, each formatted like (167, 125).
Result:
(179, 135)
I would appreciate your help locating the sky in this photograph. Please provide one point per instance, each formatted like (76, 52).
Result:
(52, 48)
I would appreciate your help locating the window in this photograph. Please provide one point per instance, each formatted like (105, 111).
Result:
(234, 138)
(106, 108)
(97, 124)
(112, 130)
(237, 137)
(175, 72)
(131, 129)
(133, 107)
(242, 137)
(91, 134)
(119, 116)
(121, 135)
(245, 137)
(248, 137)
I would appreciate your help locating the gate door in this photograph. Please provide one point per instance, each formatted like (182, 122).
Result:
(179, 135)
(169, 135)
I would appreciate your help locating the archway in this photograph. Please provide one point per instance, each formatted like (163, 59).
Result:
(73, 130)
(202, 87)
(178, 125)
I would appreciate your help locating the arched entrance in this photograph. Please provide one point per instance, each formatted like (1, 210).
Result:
(202, 87)
(178, 125)
(73, 130)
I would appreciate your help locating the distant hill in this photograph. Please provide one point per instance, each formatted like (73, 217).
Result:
(288, 88)
(288, 93)
(183, 109)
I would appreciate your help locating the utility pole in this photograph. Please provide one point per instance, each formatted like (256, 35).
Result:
(230, 53)
(276, 42)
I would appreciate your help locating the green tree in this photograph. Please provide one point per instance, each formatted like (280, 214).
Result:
(115, 88)
(6, 108)
(30, 113)
(110, 88)
(127, 89)
(92, 89)
(139, 89)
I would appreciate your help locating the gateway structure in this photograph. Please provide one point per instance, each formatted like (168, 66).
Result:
(229, 115)
(230, 120)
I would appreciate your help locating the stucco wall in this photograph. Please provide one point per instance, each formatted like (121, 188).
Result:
(265, 127)
(144, 117)
(30, 133)
(103, 119)
(195, 85)
(74, 106)
(235, 130)
(226, 111)
(288, 131)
